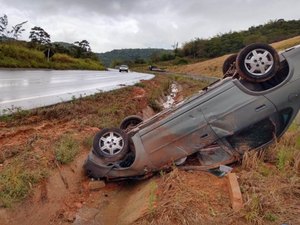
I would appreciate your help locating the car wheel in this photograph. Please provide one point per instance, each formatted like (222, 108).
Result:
(229, 66)
(257, 62)
(111, 144)
(130, 122)
(120, 71)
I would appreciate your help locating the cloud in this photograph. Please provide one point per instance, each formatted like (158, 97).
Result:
(115, 24)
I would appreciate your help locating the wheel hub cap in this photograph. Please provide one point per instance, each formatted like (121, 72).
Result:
(111, 143)
(259, 62)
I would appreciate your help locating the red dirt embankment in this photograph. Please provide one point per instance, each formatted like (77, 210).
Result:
(64, 192)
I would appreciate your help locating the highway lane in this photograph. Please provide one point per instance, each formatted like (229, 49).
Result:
(27, 89)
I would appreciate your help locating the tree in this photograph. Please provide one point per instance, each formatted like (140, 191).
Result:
(83, 49)
(84, 45)
(16, 30)
(175, 48)
(3, 25)
(39, 36)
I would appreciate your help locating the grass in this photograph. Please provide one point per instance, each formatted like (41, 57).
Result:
(19, 177)
(17, 55)
(152, 197)
(13, 113)
(270, 181)
(281, 45)
(178, 201)
(88, 142)
(66, 149)
(254, 211)
(189, 86)
(284, 158)
(156, 94)
(270, 185)
(141, 85)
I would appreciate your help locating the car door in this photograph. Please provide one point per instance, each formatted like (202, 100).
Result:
(235, 109)
(176, 136)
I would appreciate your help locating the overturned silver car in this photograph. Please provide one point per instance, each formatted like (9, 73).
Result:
(249, 108)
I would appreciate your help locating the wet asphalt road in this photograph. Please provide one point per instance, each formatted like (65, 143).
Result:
(27, 89)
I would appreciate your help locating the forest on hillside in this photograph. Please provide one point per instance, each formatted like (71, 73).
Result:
(201, 49)
(40, 52)
(222, 44)
(132, 56)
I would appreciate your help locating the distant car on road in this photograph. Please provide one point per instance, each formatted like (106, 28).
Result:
(250, 108)
(156, 69)
(123, 68)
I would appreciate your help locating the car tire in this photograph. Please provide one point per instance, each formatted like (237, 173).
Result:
(111, 144)
(129, 122)
(257, 62)
(229, 64)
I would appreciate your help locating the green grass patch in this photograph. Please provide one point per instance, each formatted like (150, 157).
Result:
(18, 55)
(297, 142)
(264, 170)
(87, 142)
(284, 158)
(254, 209)
(18, 178)
(190, 86)
(154, 104)
(294, 127)
(271, 217)
(141, 85)
(66, 149)
(13, 114)
(152, 196)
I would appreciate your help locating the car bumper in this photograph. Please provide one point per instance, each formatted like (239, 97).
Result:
(97, 168)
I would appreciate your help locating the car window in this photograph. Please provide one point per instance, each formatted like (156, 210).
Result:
(259, 133)
(285, 116)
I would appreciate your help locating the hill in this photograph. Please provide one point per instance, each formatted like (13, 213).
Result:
(129, 55)
(213, 67)
(222, 44)
(20, 54)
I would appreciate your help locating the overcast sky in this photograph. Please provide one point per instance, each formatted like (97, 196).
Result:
(117, 24)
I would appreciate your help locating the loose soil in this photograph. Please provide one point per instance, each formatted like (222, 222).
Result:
(53, 194)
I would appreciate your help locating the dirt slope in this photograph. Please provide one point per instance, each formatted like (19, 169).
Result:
(37, 189)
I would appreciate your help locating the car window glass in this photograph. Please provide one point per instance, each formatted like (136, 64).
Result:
(254, 136)
(285, 116)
